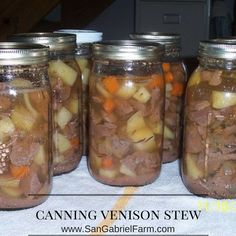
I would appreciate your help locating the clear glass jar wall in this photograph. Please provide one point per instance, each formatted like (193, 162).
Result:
(175, 79)
(25, 126)
(209, 160)
(84, 40)
(126, 113)
(65, 80)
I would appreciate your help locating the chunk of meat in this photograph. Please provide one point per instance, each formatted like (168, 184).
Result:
(123, 107)
(60, 92)
(142, 162)
(156, 105)
(193, 140)
(31, 184)
(104, 130)
(23, 151)
(138, 106)
(200, 117)
(120, 147)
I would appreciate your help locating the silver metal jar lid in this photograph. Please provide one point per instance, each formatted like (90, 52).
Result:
(127, 50)
(55, 41)
(171, 41)
(15, 53)
(222, 49)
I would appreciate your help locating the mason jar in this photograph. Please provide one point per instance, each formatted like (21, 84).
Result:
(209, 160)
(65, 80)
(175, 80)
(83, 56)
(25, 125)
(126, 113)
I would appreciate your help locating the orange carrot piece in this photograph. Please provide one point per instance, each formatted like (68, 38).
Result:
(169, 77)
(166, 66)
(19, 172)
(177, 89)
(74, 142)
(107, 162)
(108, 105)
(156, 82)
(111, 84)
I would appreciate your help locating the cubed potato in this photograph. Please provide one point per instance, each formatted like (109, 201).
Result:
(66, 73)
(108, 173)
(144, 139)
(82, 62)
(73, 105)
(62, 117)
(126, 171)
(40, 156)
(168, 133)
(191, 167)
(127, 90)
(135, 122)
(6, 181)
(61, 142)
(222, 100)
(12, 192)
(102, 91)
(21, 83)
(6, 127)
(29, 105)
(142, 95)
(22, 118)
(195, 78)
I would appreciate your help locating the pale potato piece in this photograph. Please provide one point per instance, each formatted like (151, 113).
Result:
(195, 78)
(223, 99)
(22, 118)
(21, 83)
(168, 133)
(13, 192)
(143, 139)
(62, 117)
(29, 105)
(61, 142)
(108, 173)
(66, 73)
(102, 90)
(7, 127)
(126, 171)
(192, 170)
(40, 156)
(142, 95)
(127, 90)
(9, 182)
(73, 106)
(135, 122)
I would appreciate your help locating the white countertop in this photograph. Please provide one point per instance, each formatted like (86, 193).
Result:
(78, 191)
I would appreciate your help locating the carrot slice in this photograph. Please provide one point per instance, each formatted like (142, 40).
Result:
(156, 82)
(107, 162)
(74, 142)
(166, 66)
(108, 105)
(19, 172)
(111, 84)
(169, 77)
(177, 89)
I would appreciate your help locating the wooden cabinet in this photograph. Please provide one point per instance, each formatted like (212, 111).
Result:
(189, 18)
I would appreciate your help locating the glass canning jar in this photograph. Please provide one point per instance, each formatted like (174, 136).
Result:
(83, 56)
(25, 125)
(175, 80)
(65, 79)
(209, 160)
(126, 113)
